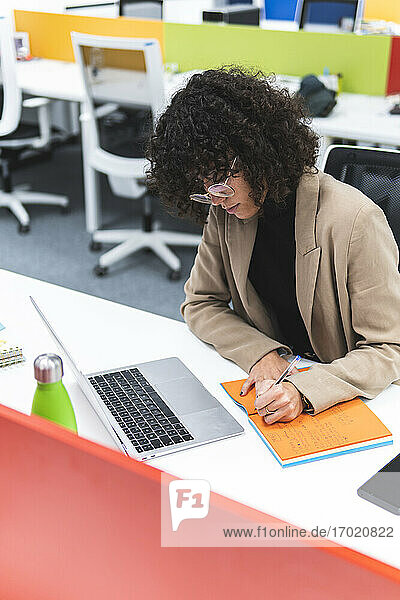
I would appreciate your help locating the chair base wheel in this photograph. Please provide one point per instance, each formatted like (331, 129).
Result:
(24, 228)
(66, 210)
(100, 271)
(95, 246)
(175, 275)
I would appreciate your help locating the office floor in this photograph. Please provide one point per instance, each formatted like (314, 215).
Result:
(57, 247)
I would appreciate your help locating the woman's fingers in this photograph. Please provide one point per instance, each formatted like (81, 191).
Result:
(283, 414)
(248, 384)
(283, 401)
(266, 392)
(272, 406)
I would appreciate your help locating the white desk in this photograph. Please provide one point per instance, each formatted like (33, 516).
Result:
(361, 118)
(279, 25)
(356, 116)
(102, 334)
(61, 80)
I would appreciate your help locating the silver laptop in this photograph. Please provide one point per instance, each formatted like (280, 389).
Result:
(153, 408)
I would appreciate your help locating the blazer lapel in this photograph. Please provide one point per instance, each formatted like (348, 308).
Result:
(307, 253)
(240, 238)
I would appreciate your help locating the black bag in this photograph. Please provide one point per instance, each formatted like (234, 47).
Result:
(320, 101)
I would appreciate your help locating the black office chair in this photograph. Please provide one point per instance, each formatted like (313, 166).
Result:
(373, 171)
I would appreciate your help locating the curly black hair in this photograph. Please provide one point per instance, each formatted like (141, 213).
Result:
(220, 114)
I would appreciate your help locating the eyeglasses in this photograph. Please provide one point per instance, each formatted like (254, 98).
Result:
(220, 190)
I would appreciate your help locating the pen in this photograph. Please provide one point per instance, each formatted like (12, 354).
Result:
(285, 373)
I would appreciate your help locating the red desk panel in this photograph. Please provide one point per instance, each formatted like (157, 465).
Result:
(81, 521)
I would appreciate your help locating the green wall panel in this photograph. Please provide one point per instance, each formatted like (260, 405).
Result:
(363, 60)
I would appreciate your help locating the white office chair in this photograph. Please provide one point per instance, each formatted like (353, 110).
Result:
(15, 138)
(121, 75)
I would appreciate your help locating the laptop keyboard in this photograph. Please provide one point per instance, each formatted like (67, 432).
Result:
(140, 411)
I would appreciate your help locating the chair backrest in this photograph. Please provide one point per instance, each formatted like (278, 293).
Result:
(123, 78)
(10, 93)
(374, 171)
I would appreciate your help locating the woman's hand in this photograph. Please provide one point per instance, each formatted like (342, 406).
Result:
(284, 397)
(282, 400)
(270, 366)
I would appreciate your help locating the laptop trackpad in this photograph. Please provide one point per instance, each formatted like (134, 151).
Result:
(186, 396)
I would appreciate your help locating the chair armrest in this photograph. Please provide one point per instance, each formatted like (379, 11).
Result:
(101, 111)
(43, 107)
(35, 102)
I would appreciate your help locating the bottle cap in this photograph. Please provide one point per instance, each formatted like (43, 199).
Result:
(48, 368)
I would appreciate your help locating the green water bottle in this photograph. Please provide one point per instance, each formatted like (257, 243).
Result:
(51, 399)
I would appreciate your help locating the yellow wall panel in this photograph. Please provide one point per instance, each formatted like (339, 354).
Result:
(49, 33)
(388, 10)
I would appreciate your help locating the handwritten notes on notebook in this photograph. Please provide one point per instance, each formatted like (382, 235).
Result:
(346, 427)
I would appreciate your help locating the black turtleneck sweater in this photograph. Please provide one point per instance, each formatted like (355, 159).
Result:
(272, 273)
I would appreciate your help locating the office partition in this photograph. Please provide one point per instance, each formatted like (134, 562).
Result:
(368, 64)
(50, 34)
(362, 60)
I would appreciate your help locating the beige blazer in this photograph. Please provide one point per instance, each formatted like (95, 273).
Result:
(347, 287)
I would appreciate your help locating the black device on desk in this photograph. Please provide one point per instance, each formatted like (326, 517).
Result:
(383, 488)
(238, 14)
(395, 110)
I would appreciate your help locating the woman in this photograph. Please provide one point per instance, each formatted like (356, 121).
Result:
(291, 260)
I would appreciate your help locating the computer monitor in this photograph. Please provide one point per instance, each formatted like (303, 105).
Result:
(329, 15)
(141, 9)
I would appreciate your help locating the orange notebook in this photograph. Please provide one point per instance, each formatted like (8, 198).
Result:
(346, 427)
